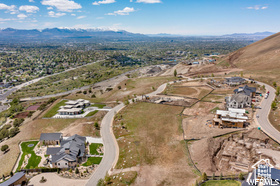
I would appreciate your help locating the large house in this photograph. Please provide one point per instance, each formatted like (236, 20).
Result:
(50, 138)
(238, 101)
(71, 152)
(234, 81)
(249, 91)
(73, 107)
(230, 118)
(18, 179)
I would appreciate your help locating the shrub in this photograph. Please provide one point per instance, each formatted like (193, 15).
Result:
(119, 87)
(241, 177)
(13, 131)
(204, 176)
(77, 171)
(18, 122)
(4, 148)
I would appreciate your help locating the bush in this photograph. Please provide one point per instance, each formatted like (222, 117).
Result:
(77, 171)
(241, 177)
(204, 176)
(119, 87)
(13, 131)
(84, 92)
(4, 148)
(30, 114)
(18, 122)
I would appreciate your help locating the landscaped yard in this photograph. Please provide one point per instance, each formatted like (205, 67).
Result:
(92, 160)
(91, 113)
(98, 105)
(93, 148)
(34, 160)
(54, 109)
(221, 183)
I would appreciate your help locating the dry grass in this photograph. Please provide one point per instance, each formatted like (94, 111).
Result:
(152, 137)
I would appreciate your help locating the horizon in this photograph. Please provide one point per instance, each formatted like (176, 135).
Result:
(144, 16)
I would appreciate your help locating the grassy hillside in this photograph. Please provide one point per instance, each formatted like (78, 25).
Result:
(261, 60)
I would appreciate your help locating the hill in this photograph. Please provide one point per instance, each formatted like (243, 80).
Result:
(260, 59)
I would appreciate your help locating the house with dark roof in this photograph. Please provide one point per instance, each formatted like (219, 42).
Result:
(17, 179)
(71, 152)
(249, 91)
(238, 101)
(234, 81)
(50, 138)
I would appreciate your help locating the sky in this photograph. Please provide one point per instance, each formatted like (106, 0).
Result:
(184, 17)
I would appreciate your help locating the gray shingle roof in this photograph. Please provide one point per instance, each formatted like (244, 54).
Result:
(50, 136)
(13, 179)
(53, 150)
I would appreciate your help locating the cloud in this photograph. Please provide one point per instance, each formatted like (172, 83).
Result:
(73, 14)
(22, 16)
(53, 14)
(257, 7)
(125, 11)
(29, 9)
(148, 1)
(49, 8)
(100, 18)
(11, 9)
(103, 2)
(4, 20)
(81, 17)
(62, 5)
(31, 1)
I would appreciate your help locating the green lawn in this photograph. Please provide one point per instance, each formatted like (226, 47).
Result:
(98, 105)
(54, 109)
(34, 160)
(92, 160)
(91, 113)
(93, 147)
(221, 183)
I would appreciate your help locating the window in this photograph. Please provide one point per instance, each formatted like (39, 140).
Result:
(65, 163)
(58, 163)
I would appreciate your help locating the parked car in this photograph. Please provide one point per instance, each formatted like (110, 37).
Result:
(266, 96)
(257, 107)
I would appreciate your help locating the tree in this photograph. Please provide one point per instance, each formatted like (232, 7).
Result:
(196, 184)
(4, 148)
(11, 173)
(204, 176)
(277, 91)
(213, 177)
(212, 75)
(240, 176)
(273, 105)
(119, 87)
(96, 125)
(221, 176)
(100, 182)
(175, 73)
(274, 84)
(13, 131)
(241, 73)
(77, 171)
(84, 92)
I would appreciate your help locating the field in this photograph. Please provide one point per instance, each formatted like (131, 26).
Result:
(154, 141)
(122, 179)
(128, 87)
(221, 183)
(53, 111)
(34, 160)
(194, 89)
(93, 148)
(92, 160)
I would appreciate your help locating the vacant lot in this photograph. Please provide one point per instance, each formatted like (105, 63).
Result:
(126, 88)
(150, 135)
(197, 116)
(193, 89)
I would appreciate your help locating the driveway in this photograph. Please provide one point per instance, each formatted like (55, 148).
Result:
(54, 179)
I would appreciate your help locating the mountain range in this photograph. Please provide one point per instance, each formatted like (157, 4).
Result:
(53, 33)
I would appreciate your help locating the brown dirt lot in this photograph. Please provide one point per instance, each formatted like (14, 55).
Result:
(151, 137)
(196, 118)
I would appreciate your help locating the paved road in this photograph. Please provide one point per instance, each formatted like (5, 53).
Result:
(263, 113)
(111, 149)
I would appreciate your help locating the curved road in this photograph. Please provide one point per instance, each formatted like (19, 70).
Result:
(111, 148)
(263, 113)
